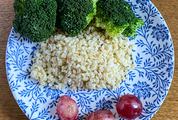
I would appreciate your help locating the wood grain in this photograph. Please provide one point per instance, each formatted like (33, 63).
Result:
(9, 110)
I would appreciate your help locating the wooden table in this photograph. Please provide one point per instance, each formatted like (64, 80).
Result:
(9, 109)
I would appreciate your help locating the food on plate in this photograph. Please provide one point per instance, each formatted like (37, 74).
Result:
(75, 15)
(117, 17)
(129, 106)
(90, 60)
(101, 115)
(38, 19)
(67, 108)
(35, 19)
(81, 56)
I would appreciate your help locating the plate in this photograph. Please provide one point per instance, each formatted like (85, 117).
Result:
(153, 56)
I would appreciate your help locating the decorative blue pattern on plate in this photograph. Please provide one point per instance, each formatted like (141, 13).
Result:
(153, 57)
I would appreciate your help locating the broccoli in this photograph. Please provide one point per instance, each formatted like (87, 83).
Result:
(35, 19)
(116, 17)
(74, 15)
(133, 26)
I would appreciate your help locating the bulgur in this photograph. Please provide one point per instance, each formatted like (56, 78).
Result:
(90, 60)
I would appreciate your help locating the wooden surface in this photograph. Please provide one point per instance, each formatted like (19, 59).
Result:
(9, 110)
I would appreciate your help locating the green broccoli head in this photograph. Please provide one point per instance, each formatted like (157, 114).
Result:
(75, 15)
(35, 19)
(132, 28)
(116, 16)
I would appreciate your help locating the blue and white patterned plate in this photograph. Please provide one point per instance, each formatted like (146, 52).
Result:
(153, 57)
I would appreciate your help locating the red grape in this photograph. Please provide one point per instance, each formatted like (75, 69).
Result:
(101, 115)
(129, 106)
(67, 108)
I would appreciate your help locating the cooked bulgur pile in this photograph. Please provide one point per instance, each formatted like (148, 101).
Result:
(90, 60)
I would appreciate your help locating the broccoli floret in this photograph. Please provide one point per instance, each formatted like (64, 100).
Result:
(74, 15)
(132, 28)
(116, 17)
(35, 19)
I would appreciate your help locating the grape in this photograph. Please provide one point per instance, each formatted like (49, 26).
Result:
(101, 115)
(129, 106)
(67, 108)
